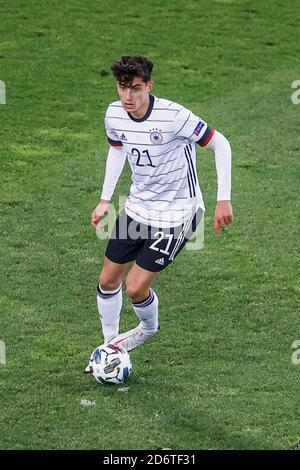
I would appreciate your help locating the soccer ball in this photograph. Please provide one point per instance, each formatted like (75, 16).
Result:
(110, 364)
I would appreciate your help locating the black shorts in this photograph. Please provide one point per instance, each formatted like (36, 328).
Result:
(151, 248)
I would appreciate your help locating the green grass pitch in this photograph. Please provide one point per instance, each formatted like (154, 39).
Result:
(219, 375)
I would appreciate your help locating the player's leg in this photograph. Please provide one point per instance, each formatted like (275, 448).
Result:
(138, 282)
(109, 296)
(113, 273)
(159, 251)
(143, 298)
(120, 252)
(145, 304)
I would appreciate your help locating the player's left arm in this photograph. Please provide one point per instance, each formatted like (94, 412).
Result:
(222, 150)
(189, 126)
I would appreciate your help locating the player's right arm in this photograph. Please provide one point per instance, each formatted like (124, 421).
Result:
(114, 166)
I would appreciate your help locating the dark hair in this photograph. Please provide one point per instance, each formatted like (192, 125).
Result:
(130, 66)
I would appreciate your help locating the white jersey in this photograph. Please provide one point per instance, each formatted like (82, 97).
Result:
(160, 148)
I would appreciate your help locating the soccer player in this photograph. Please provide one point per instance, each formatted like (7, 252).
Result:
(158, 137)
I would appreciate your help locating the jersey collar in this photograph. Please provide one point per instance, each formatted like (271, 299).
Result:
(149, 111)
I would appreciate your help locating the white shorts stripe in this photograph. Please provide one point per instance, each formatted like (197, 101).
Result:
(181, 237)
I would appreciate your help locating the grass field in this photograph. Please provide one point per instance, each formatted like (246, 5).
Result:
(219, 375)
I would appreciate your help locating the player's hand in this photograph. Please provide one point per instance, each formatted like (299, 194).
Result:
(223, 215)
(98, 213)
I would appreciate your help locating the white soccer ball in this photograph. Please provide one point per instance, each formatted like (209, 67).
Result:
(110, 364)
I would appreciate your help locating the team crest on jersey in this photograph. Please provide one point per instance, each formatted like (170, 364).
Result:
(156, 136)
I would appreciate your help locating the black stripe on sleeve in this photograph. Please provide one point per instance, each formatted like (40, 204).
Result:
(115, 143)
(207, 136)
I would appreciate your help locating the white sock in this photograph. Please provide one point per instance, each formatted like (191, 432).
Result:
(109, 307)
(147, 311)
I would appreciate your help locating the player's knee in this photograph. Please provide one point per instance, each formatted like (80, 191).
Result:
(136, 292)
(107, 283)
(132, 292)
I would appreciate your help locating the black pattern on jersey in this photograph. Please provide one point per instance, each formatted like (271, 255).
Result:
(160, 164)
(191, 172)
(159, 174)
(150, 145)
(155, 199)
(163, 153)
(163, 184)
(150, 199)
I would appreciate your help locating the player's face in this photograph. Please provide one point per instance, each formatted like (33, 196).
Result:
(134, 96)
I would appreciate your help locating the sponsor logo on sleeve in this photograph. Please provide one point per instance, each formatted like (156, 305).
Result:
(198, 128)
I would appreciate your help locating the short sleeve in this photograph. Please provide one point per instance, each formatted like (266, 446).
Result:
(189, 126)
(112, 136)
